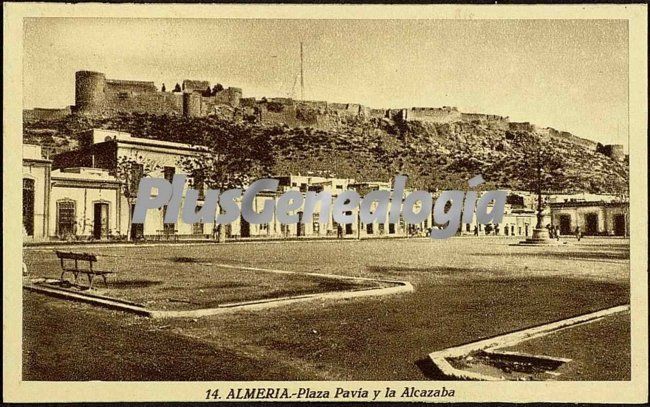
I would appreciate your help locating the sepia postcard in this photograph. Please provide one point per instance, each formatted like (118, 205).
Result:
(342, 203)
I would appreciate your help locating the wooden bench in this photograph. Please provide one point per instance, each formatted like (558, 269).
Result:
(79, 268)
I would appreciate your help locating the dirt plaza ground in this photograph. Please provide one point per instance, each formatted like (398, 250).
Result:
(466, 289)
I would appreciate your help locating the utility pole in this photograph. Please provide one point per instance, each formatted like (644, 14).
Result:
(302, 74)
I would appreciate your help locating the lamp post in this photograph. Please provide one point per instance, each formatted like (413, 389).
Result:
(540, 235)
(538, 190)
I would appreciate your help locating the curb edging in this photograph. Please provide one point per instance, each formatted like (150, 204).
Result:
(439, 358)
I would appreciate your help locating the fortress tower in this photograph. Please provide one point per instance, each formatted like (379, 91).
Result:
(191, 104)
(89, 91)
(613, 151)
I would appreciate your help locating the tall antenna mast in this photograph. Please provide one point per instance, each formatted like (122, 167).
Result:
(302, 75)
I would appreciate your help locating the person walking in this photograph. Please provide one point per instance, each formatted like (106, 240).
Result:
(578, 233)
(557, 232)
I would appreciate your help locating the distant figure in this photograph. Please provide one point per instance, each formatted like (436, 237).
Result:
(557, 233)
(339, 231)
(551, 230)
(496, 229)
(475, 230)
(578, 233)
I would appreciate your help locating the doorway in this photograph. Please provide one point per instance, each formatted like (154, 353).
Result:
(591, 224)
(100, 220)
(348, 226)
(137, 229)
(619, 225)
(565, 224)
(245, 228)
(300, 227)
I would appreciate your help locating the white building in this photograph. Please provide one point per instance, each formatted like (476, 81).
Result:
(593, 218)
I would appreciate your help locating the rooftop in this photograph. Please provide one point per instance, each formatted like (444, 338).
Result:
(84, 174)
(102, 135)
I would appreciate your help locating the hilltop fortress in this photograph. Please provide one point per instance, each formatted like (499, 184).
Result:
(95, 95)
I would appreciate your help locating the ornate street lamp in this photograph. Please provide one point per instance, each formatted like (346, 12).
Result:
(540, 236)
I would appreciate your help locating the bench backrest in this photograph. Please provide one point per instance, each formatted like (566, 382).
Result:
(76, 256)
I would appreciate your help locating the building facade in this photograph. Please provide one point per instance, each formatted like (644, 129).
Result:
(36, 193)
(594, 218)
(80, 195)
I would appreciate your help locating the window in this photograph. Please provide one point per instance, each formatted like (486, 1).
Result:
(168, 173)
(28, 206)
(65, 215)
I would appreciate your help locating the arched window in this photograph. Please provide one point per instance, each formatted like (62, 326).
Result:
(28, 206)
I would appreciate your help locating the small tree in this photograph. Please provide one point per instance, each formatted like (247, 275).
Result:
(217, 88)
(129, 171)
(177, 88)
(234, 156)
(163, 89)
(207, 92)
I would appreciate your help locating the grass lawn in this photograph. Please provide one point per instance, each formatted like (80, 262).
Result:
(466, 289)
(173, 282)
(599, 350)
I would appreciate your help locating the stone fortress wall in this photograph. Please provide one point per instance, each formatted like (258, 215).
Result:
(97, 95)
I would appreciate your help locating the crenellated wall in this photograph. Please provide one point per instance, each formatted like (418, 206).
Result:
(445, 114)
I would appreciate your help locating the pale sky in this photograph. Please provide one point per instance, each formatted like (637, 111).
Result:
(567, 74)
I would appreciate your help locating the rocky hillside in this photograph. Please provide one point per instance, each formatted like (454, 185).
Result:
(434, 156)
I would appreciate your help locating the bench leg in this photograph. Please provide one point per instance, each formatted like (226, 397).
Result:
(105, 282)
(76, 278)
(90, 281)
